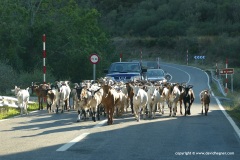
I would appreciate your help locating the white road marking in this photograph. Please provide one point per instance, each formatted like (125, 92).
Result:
(189, 77)
(79, 138)
(72, 142)
(100, 124)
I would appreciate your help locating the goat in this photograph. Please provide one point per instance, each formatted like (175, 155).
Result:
(205, 100)
(64, 94)
(153, 100)
(41, 92)
(188, 99)
(140, 101)
(23, 99)
(52, 99)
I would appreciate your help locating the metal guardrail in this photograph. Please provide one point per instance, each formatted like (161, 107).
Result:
(219, 84)
(6, 101)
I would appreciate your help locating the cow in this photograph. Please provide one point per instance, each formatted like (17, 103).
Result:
(205, 100)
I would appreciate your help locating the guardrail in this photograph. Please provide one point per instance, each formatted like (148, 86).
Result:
(6, 101)
(219, 84)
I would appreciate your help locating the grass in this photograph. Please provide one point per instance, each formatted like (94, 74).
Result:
(8, 112)
(232, 107)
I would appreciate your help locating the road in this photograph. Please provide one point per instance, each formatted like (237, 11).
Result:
(58, 136)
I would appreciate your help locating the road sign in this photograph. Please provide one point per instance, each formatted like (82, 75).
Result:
(94, 58)
(226, 71)
(199, 57)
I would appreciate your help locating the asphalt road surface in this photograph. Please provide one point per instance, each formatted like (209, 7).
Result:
(41, 135)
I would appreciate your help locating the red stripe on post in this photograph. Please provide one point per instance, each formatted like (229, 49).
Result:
(44, 54)
(44, 69)
(44, 38)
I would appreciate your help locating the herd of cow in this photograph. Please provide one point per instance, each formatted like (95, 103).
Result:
(113, 98)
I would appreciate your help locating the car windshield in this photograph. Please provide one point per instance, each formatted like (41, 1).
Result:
(155, 73)
(124, 67)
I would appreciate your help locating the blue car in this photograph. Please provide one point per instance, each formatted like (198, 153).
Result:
(125, 71)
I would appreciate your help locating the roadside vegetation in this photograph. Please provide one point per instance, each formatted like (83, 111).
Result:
(8, 112)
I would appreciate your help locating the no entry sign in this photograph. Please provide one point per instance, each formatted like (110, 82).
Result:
(94, 58)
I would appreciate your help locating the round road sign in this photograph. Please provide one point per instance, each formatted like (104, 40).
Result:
(94, 59)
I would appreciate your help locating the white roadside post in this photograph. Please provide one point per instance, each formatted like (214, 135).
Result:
(44, 58)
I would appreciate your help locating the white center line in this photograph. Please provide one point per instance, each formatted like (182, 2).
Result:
(79, 138)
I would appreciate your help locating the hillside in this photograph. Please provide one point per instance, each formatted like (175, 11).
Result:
(171, 27)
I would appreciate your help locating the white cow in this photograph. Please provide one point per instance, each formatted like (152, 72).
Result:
(140, 101)
(23, 98)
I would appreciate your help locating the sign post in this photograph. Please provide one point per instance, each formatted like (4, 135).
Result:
(94, 59)
(44, 58)
(227, 71)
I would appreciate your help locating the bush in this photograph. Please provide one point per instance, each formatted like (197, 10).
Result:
(8, 77)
